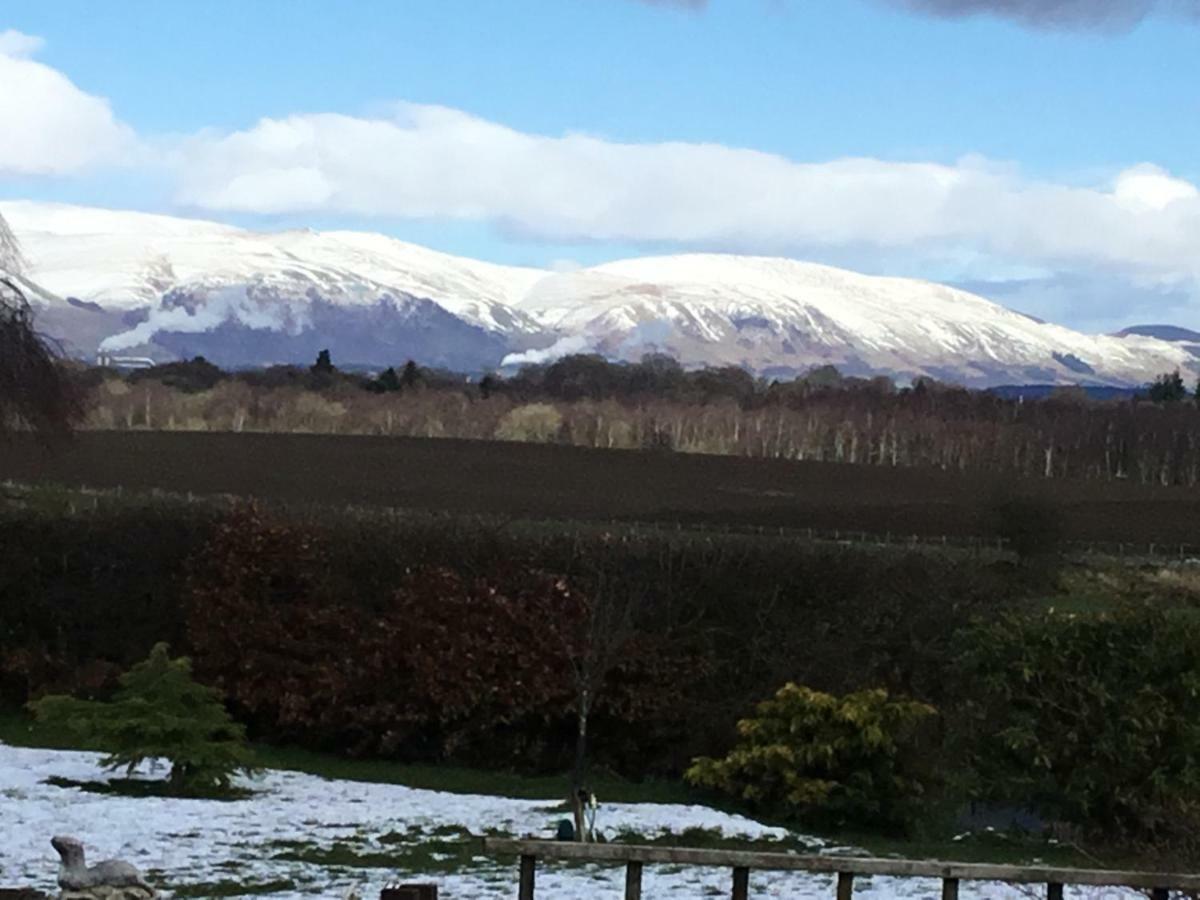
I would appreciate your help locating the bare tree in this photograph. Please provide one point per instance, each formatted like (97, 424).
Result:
(603, 637)
(35, 392)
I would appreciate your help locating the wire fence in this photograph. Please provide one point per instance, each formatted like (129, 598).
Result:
(1131, 551)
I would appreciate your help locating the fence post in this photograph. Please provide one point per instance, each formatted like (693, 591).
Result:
(741, 883)
(633, 881)
(845, 885)
(528, 868)
(1160, 894)
(950, 889)
(1054, 891)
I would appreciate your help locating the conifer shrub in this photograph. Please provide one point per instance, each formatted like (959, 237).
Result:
(849, 760)
(159, 713)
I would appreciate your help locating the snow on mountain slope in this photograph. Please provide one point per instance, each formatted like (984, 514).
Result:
(128, 260)
(783, 316)
(180, 287)
(11, 261)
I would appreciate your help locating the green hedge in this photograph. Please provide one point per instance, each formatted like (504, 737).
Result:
(1089, 719)
(725, 619)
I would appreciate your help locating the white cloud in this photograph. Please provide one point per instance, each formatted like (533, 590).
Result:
(1151, 188)
(18, 45)
(433, 162)
(50, 126)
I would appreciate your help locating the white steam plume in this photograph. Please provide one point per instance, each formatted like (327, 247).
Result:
(562, 347)
(227, 304)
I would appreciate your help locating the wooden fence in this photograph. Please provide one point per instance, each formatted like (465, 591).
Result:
(846, 868)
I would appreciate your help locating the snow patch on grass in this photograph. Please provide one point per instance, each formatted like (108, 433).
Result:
(300, 836)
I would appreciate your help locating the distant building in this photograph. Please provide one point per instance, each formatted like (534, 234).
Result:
(109, 361)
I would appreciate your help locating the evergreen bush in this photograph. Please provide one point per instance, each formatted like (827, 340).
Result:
(847, 760)
(159, 713)
(1091, 720)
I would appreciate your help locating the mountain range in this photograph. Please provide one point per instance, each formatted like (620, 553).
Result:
(166, 287)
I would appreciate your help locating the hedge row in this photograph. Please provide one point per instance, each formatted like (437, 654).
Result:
(434, 638)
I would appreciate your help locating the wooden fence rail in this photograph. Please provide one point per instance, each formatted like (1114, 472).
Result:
(845, 868)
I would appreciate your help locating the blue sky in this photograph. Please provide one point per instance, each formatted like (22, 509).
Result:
(1030, 124)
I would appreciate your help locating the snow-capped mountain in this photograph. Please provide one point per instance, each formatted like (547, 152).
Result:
(782, 316)
(170, 287)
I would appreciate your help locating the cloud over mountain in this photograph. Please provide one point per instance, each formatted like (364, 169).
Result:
(428, 161)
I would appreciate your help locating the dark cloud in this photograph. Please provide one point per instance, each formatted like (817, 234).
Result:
(1098, 15)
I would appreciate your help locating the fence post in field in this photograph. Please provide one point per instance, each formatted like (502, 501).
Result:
(845, 886)
(633, 881)
(528, 868)
(741, 883)
(950, 889)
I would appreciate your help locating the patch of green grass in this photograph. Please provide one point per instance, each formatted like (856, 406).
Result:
(233, 888)
(997, 848)
(459, 780)
(424, 857)
(20, 730)
(982, 847)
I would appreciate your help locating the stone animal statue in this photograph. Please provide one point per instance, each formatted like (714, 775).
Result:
(109, 880)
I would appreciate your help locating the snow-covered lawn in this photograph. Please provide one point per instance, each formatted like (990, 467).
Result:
(302, 836)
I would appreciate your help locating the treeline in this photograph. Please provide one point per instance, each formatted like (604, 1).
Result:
(442, 639)
(655, 404)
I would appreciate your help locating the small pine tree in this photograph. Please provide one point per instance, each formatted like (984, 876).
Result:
(388, 381)
(412, 375)
(323, 365)
(160, 712)
(1168, 388)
